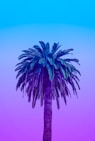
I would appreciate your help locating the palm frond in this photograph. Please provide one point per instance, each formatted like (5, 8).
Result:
(76, 82)
(19, 73)
(39, 50)
(30, 88)
(29, 94)
(41, 93)
(33, 63)
(75, 70)
(56, 64)
(63, 70)
(47, 48)
(28, 59)
(31, 52)
(69, 69)
(42, 45)
(25, 67)
(23, 86)
(72, 85)
(30, 75)
(42, 61)
(55, 47)
(53, 89)
(35, 94)
(61, 53)
(30, 83)
(50, 60)
(50, 70)
(75, 76)
(72, 69)
(62, 62)
(18, 68)
(62, 87)
(25, 55)
(38, 87)
(37, 69)
(56, 95)
(74, 60)
(28, 52)
(20, 80)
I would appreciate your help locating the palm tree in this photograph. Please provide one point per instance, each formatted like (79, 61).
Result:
(43, 74)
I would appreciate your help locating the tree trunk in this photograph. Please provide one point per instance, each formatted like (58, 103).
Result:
(47, 135)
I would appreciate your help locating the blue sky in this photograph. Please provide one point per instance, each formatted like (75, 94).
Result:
(69, 12)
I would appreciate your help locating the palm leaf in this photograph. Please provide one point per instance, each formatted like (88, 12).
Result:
(69, 69)
(56, 95)
(57, 100)
(55, 47)
(19, 73)
(28, 52)
(62, 87)
(74, 60)
(18, 68)
(42, 45)
(63, 70)
(38, 49)
(34, 97)
(32, 51)
(53, 89)
(23, 86)
(42, 61)
(22, 68)
(62, 62)
(56, 64)
(26, 60)
(50, 70)
(57, 86)
(47, 48)
(30, 91)
(24, 56)
(74, 69)
(75, 77)
(41, 88)
(30, 75)
(35, 52)
(38, 87)
(30, 83)
(18, 63)
(72, 85)
(33, 63)
(61, 53)
(20, 81)
(30, 88)
(50, 60)
(37, 69)
(76, 82)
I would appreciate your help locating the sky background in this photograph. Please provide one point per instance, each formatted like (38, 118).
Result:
(25, 23)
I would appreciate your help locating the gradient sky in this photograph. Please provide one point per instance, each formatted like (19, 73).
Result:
(23, 24)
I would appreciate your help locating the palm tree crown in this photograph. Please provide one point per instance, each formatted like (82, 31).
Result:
(60, 72)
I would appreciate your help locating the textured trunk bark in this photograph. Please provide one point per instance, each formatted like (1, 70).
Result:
(47, 135)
